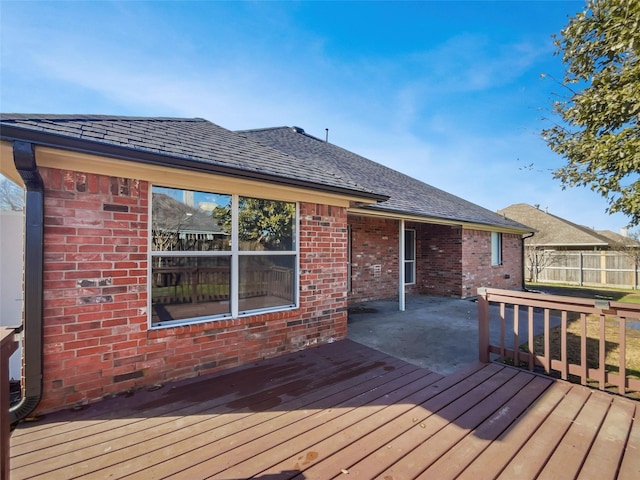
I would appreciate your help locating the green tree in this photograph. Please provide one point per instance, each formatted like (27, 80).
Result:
(262, 224)
(599, 132)
(266, 224)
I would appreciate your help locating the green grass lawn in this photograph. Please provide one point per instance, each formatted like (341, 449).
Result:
(593, 331)
(613, 294)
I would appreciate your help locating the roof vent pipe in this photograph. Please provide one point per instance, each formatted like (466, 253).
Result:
(25, 162)
(326, 135)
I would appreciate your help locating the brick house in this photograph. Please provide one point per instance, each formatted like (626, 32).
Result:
(451, 246)
(159, 249)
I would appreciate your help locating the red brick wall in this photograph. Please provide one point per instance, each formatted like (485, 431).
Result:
(96, 336)
(451, 261)
(439, 255)
(374, 258)
(477, 270)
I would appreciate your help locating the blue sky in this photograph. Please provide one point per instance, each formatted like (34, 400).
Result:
(447, 92)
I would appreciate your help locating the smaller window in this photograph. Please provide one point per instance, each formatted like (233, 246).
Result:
(496, 248)
(409, 257)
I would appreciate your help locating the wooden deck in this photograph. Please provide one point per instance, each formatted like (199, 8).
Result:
(341, 411)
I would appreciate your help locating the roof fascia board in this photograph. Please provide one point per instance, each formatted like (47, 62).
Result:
(437, 221)
(181, 178)
(10, 133)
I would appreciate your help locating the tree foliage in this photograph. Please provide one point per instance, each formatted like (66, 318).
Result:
(599, 134)
(629, 247)
(262, 224)
(538, 258)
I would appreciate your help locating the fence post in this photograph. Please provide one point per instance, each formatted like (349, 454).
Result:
(581, 266)
(483, 325)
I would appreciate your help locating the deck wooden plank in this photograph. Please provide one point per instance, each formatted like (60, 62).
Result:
(261, 453)
(426, 452)
(535, 452)
(570, 454)
(452, 463)
(70, 451)
(497, 455)
(221, 403)
(434, 420)
(630, 468)
(244, 380)
(606, 454)
(311, 414)
(180, 438)
(179, 451)
(350, 447)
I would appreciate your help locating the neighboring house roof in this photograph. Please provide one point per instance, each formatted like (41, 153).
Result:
(191, 143)
(618, 239)
(407, 195)
(170, 214)
(553, 231)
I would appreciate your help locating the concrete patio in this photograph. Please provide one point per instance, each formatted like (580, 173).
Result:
(437, 333)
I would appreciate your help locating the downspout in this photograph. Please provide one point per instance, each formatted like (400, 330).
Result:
(25, 162)
(524, 260)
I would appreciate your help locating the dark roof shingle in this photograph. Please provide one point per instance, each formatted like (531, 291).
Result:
(200, 142)
(554, 231)
(407, 195)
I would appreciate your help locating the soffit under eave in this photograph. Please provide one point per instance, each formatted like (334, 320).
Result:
(438, 221)
(7, 165)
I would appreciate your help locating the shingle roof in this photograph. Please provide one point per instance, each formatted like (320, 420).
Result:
(617, 239)
(197, 143)
(170, 214)
(407, 195)
(553, 230)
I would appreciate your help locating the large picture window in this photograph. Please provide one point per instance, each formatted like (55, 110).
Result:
(215, 255)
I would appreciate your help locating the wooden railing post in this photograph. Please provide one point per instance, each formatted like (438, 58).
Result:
(483, 325)
(8, 345)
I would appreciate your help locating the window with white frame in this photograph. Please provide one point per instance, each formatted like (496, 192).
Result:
(409, 257)
(217, 255)
(496, 248)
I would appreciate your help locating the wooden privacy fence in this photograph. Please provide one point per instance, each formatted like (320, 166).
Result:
(509, 321)
(602, 268)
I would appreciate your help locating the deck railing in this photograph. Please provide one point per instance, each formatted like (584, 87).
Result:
(175, 285)
(521, 327)
(8, 345)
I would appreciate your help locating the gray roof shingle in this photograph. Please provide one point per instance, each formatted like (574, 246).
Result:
(407, 195)
(201, 143)
(279, 155)
(553, 231)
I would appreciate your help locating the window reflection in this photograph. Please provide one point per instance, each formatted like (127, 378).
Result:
(266, 225)
(193, 256)
(266, 281)
(183, 220)
(189, 287)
